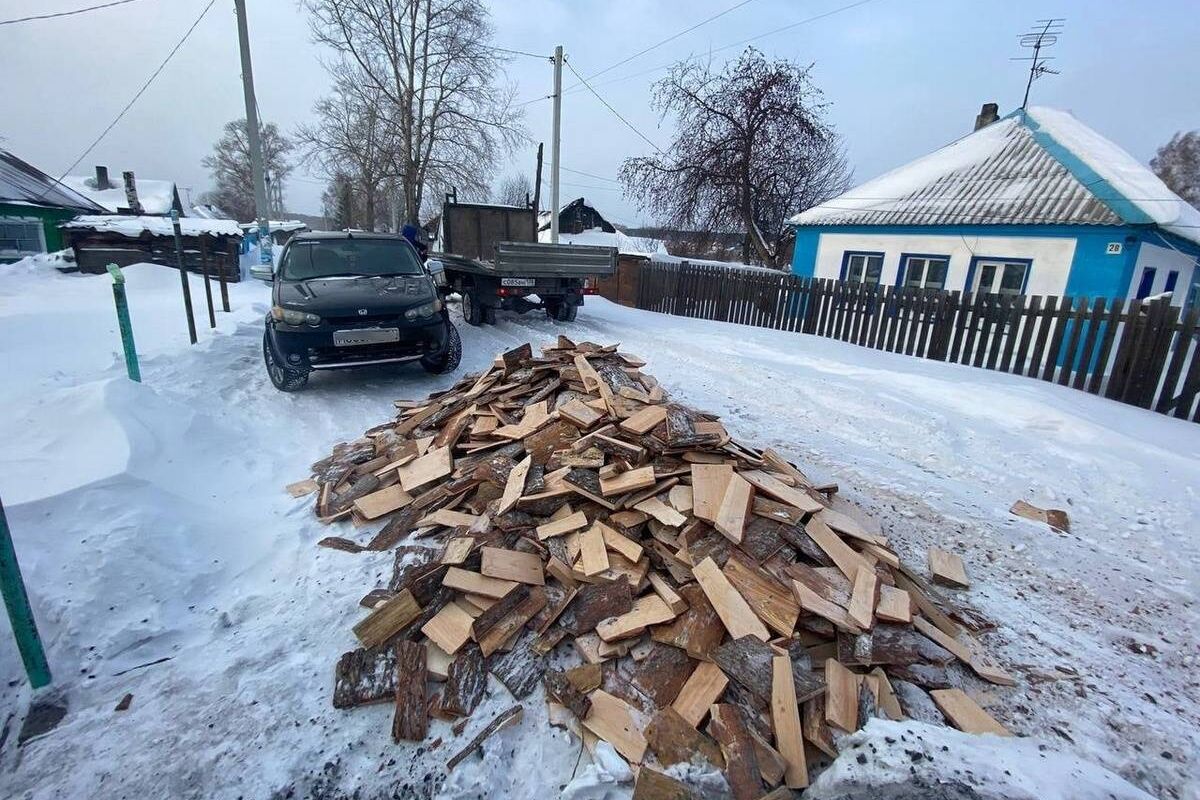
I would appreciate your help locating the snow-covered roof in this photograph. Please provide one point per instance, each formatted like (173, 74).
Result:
(155, 197)
(134, 227)
(25, 184)
(1041, 166)
(276, 225)
(208, 211)
(626, 245)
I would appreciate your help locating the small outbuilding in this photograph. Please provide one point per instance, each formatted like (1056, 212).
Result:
(32, 204)
(1033, 203)
(100, 240)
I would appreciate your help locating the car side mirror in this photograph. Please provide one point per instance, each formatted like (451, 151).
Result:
(262, 272)
(437, 271)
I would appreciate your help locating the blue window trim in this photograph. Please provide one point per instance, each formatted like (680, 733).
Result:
(846, 254)
(904, 257)
(1172, 281)
(1145, 285)
(1028, 262)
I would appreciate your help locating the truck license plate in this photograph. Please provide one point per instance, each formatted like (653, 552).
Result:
(518, 282)
(365, 336)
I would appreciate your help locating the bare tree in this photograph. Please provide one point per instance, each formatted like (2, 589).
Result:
(750, 148)
(230, 167)
(1178, 164)
(515, 190)
(351, 140)
(433, 62)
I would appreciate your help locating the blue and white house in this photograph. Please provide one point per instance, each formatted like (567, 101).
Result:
(1032, 203)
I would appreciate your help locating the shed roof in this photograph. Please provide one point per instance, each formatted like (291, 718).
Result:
(1041, 166)
(134, 226)
(156, 197)
(21, 182)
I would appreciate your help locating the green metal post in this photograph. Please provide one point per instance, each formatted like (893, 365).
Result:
(131, 362)
(19, 613)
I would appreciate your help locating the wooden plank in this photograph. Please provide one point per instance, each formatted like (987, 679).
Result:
(651, 784)
(680, 498)
(512, 565)
(674, 740)
(734, 508)
(841, 696)
(741, 764)
(457, 550)
(474, 583)
(813, 603)
(768, 484)
(698, 630)
(631, 481)
(965, 714)
(863, 599)
(668, 594)
(514, 487)
(840, 553)
(573, 522)
(643, 421)
(885, 696)
(895, 605)
(302, 488)
(495, 610)
(661, 512)
(703, 688)
(450, 628)
(513, 621)
(387, 619)
(592, 551)
(614, 721)
(772, 602)
(646, 611)
(730, 606)
(447, 519)
(437, 463)
(708, 489)
(619, 543)
(384, 501)
(947, 568)
(411, 719)
(785, 719)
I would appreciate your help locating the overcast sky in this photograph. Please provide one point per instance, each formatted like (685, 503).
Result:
(902, 76)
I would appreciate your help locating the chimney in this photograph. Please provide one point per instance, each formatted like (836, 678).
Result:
(131, 197)
(987, 115)
(102, 178)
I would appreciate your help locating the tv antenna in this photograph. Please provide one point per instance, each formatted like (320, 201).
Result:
(1042, 35)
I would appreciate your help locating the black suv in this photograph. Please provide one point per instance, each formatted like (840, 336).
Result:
(350, 300)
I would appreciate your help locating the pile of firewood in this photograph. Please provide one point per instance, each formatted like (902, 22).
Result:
(722, 606)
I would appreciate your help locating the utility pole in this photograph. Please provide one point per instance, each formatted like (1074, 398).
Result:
(556, 145)
(252, 131)
(537, 184)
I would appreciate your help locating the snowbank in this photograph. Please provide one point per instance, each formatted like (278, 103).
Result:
(626, 245)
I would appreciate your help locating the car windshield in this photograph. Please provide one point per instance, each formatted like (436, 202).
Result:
(327, 258)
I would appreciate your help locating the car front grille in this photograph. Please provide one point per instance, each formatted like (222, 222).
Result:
(366, 321)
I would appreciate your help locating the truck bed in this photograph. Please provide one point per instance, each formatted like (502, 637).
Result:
(525, 259)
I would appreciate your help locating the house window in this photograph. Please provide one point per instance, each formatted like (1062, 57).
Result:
(1146, 284)
(21, 236)
(862, 267)
(1000, 277)
(927, 272)
(1172, 280)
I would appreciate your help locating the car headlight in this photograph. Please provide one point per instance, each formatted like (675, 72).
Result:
(290, 316)
(427, 310)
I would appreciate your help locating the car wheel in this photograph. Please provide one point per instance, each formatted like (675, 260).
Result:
(448, 361)
(489, 315)
(472, 313)
(284, 378)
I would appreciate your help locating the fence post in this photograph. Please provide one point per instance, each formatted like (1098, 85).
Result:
(212, 317)
(19, 613)
(131, 362)
(187, 289)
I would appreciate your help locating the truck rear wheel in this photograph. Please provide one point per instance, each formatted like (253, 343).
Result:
(489, 315)
(471, 311)
(561, 310)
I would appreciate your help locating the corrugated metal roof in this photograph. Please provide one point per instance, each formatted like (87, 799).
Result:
(21, 182)
(1000, 175)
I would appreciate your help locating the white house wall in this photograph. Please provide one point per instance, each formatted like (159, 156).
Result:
(1051, 257)
(1163, 260)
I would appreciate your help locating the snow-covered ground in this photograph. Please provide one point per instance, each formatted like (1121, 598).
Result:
(151, 524)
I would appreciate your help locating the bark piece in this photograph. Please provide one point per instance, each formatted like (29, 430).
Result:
(595, 603)
(364, 676)
(466, 680)
(501, 720)
(387, 619)
(654, 785)
(561, 689)
(741, 763)
(698, 631)
(673, 740)
(661, 675)
(520, 668)
(748, 662)
(411, 720)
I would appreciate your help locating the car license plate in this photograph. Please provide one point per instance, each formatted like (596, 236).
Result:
(518, 282)
(365, 336)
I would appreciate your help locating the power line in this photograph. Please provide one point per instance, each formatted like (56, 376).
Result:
(615, 113)
(65, 13)
(739, 43)
(671, 38)
(129, 105)
(520, 52)
(588, 174)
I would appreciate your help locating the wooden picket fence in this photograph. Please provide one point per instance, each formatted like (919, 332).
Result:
(1138, 352)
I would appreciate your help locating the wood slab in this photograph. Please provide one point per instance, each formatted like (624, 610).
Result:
(411, 719)
(861, 610)
(841, 696)
(734, 509)
(384, 501)
(785, 720)
(631, 481)
(364, 676)
(580, 414)
(447, 519)
(512, 565)
(592, 551)
(387, 619)
(450, 628)
(595, 603)
(895, 605)
(698, 630)
(840, 553)
(769, 484)
(572, 522)
(457, 550)
(667, 593)
(731, 607)
(651, 784)
(708, 489)
(436, 463)
(947, 569)
(674, 740)
(772, 602)
(514, 487)
(645, 419)
(647, 610)
(474, 583)
(703, 687)
(661, 511)
(965, 714)
(615, 721)
(511, 623)
(741, 763)
(620, 543)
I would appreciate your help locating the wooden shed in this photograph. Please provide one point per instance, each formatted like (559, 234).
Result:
(98, 241)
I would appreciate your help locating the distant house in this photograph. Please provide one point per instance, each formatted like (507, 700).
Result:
(32, 204)
(155, 198)
(1033, 203)
(576, 216)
